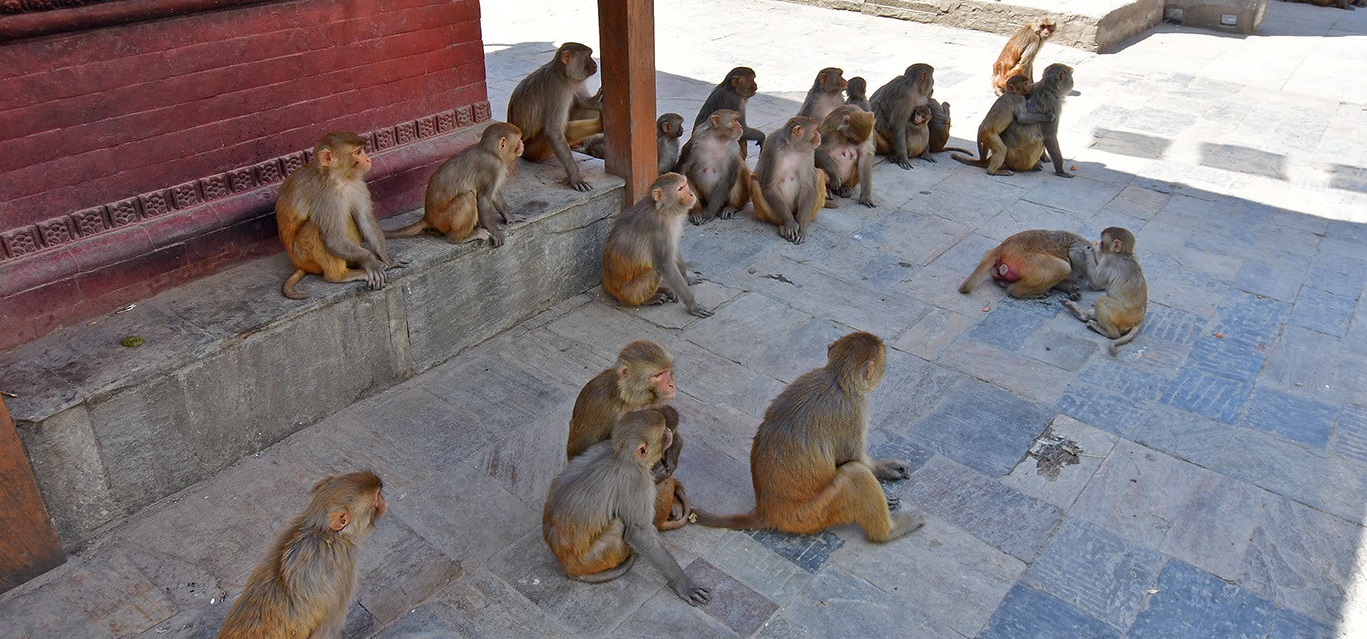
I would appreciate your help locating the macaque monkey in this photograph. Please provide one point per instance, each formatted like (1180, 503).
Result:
(466, 190)
(809, 463)
(1030, 263)
(1026, 143)
(643, 377)
(846, 154)
(716, 172)
(1115, 269)
(1010, 108)
(600, 511)
(893, 107)
(825, 94)
(1018, 56)
(304, 586)
(787, 189)
(323, 212)
(918, 135)
(668, 130)
(642, 249)
(540, 107)
(856, 93)
(939, 127)
(734, 93)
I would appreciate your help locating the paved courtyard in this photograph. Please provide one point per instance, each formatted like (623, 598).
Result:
(1209, 482)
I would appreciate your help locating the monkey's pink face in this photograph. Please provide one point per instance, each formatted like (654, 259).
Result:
(360, 160)
(663, 382)
(1045, 31)
(688, 199)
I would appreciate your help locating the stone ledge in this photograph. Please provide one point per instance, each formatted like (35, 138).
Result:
(1093, 25)
(230, 366)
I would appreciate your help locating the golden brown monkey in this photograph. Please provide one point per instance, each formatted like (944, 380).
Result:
(323, 212)
(540, 107)
(825, 94)
(893, 104)
(809, 463)
(642, 377)
(846, 154)
(1018, 56)
(304, 586)
(1115, 269)
(642, 249)
(1030, 263)
(716, 171)
(467, 189)
(1010, 107)
(786, 188)
(600, 511)
(1026, 143)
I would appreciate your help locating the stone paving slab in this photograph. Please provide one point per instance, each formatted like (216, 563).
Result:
(1207, 482)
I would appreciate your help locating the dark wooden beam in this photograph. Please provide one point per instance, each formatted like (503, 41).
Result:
(626, 34)
(28, 544)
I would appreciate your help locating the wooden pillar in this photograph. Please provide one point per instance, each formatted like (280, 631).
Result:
(626, 34)
(28, 545)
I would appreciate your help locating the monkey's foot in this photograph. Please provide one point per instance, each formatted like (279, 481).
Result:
(514, 219)
(728, 212)
(891, 470)
(903, 523)
(844, 191)
(581, 186)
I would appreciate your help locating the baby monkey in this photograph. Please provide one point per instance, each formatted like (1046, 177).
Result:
(1114, 269)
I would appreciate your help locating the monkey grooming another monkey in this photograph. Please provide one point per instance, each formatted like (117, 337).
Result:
(734, 93)
(846, 153)
(856, 93)
(1010, 108)
(600, 511)
(642, 249)
(1115, 269)
(643, 377)
(809, 463)
(323, 212)
(540, 107)
(1030, 263)
(716, 172)
(1018, 56)
(787, 189)
(467, 188)
(825, 94)
(893, 106)
(305, 584)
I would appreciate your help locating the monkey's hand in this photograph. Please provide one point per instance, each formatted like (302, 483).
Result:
(843, 191)
(894, 502)
(394, 262)
(693, 594)
(891, 470)
(728, 212)
(699, 311)
(793, 233)
(904, 163)
(374, 273)
(700, 218)
(496, 238)
(692, 281)
(660, 472)
(581, 186)
(867, 200)
(513, 218)
(1063, 173)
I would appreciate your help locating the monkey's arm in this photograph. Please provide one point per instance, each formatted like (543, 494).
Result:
(556, 137)
(898, 141)
(487, 220)
(646, 541)
(754, 135)
(333, 221)
(671, 269)
(866, 174)
(1051, 145)
(593, 102)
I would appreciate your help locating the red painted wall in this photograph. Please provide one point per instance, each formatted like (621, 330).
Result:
(140, 156)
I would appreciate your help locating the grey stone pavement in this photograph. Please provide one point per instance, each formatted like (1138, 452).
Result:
(1209, 482)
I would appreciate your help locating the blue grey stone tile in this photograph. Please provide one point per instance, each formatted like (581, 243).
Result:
(1069, 351)
(1028, 613)
(1227, 358)
(983, 427)
(1338, 274)
(1111, 396)
(910, 390)
(1173, 325)
(1323, 311)
(421, 622)
(1101, 573)
(1006, 327)
(988, 510)
(1303, 559)
(1277, 280)
(733, 603)
(884, 445)
(1194, 603)
(1214, 397)
(808, 552)
(1295, 418)
(1248, 318)
(1352, 433)
(838, 604)
(1289, 624)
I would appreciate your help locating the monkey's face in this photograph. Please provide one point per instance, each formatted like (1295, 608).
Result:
(662, 383)
(359, 162)
(745, 85)
(685, 197)
(1045, 30)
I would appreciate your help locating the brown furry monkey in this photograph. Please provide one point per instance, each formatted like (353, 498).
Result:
(305, 584)
(466, 190)
(1046, 96)
(668, 130)
(825, 94)
(734, 93)
(323, 213)
(809, 463)
(1010, 108)
(857, 93)
(1030, 263)
(893, 106)
(600, 511)
(846, 153)
(1018, 56)
(712, 162)
(642, 249)
(540, 107)
(1119, 312)
(787, 189)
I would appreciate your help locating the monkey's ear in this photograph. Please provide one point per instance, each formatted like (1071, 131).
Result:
(716, 120)
(326, 158)
(797, 130)
(339, 519)
(503, 143)
(566, 57)
(869, 370)
(821, 78)
(642, 450)
(622, 372)
(656, 194)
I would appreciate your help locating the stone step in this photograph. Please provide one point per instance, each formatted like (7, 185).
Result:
(229, 366)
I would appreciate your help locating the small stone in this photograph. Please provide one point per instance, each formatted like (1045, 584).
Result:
(132, 341)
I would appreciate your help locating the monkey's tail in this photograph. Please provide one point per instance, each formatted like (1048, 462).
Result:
(408, 231)
(968, 160)
(287, 288)
(955, 148)
(1114, 348)
(744, 521)
(984, 267)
